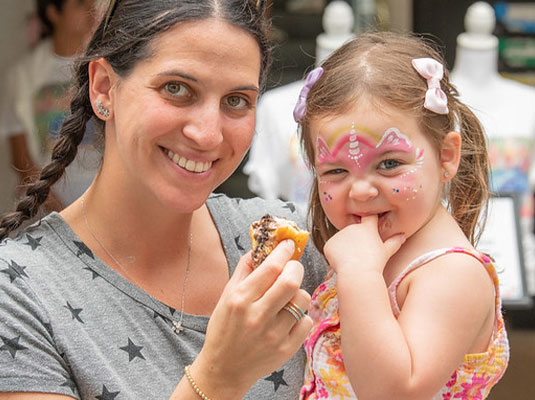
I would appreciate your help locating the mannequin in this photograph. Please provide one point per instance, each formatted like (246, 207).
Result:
(506, 109)
(275, 167)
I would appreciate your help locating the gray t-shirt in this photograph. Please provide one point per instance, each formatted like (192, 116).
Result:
(71, 325)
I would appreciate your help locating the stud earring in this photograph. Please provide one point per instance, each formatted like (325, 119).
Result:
(101, 109)
(446, 175)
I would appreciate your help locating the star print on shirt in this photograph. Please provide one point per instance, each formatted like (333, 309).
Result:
(290, 206)
(132, 350)
(14, 271)
(277, 379)
(106, 395)
(83, 249)
(12, 345)
(75, 312)
(33, 243)
(238, 245)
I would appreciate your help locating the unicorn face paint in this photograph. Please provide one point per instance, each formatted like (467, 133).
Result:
(371, 162)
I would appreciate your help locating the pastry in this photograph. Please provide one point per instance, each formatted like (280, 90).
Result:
(269, 231)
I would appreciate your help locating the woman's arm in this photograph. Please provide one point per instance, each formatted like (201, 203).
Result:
(249, 334)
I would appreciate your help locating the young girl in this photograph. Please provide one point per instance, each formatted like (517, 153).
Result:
(409, 308)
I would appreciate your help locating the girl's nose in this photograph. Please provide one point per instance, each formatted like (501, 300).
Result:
(363, 190)
(204, 126)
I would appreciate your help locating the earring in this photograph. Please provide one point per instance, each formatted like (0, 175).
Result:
(446, 175)
(101, 109)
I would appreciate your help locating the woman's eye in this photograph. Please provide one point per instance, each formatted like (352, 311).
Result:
(176, 89)
(237, 102)
(389, 164)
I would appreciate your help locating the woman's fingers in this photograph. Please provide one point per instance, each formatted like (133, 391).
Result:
(263, 277)
(250, 332)
(294, 311)
(285, 287)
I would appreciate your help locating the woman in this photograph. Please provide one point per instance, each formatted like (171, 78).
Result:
(111, 298)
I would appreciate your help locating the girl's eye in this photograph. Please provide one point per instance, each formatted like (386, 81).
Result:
(335, 171)
(389, 164)
(176, 89)
(237, 102)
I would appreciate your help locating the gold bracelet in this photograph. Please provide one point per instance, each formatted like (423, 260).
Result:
(196, 388)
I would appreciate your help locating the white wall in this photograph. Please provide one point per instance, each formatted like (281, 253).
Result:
(13, 44)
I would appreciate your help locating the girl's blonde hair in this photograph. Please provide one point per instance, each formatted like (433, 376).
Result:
(377, 66)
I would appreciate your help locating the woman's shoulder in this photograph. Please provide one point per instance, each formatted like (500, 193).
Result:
(233, 216)
(38, 247)
(252, 209)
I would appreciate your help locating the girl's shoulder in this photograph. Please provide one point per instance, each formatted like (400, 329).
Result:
(453, 271)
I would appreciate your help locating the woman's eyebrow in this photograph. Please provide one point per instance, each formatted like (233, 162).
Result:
(177, 73)
(248, 87)
(253, 88)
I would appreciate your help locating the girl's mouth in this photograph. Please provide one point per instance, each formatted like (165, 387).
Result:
(381, 218)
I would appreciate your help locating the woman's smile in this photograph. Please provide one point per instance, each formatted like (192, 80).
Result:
(187, 164)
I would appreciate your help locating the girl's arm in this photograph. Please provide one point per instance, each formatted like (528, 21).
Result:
(448, 305)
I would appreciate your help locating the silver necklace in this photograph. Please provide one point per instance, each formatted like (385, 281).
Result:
(177, 325)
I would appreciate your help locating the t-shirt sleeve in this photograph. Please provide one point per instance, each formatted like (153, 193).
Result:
(29, 358)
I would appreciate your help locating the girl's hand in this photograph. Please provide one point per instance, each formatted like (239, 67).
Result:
(359, 247)
(250, 334)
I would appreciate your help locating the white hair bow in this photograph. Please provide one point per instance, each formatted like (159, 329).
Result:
(433, 72)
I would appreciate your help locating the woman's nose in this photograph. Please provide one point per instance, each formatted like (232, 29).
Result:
(204, 126)
(363, 190)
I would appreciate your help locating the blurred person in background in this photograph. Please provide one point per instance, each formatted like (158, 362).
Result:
(36, 98)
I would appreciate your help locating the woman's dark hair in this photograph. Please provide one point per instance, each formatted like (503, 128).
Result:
(124, 41)
(42, 5)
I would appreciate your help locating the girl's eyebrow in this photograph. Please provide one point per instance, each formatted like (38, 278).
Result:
(253, 88)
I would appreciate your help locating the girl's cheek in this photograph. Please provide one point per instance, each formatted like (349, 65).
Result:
(407, 188)
(331, 200)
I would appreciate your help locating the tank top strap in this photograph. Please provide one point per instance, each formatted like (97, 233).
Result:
(432, 255)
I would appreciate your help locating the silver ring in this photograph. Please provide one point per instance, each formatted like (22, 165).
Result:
(295, 310)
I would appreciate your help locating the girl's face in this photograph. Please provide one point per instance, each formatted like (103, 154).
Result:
(376, 162)
(184, 117)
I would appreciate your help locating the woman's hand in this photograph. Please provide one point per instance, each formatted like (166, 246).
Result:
(250, 334)
(360, 246)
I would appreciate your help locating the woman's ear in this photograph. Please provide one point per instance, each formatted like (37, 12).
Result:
(102, 80)
(450, 155)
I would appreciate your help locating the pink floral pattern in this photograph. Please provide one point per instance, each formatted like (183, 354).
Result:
(325, 376)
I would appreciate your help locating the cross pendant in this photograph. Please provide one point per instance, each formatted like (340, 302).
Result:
(177, 327)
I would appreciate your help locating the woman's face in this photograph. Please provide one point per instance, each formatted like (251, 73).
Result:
(184, 117)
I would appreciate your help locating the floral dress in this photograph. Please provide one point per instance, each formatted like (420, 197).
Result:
(325, 375)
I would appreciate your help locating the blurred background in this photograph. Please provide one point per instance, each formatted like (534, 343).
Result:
(497, 37)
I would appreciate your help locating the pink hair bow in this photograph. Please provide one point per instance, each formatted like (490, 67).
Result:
(300, 108)
(433, 72)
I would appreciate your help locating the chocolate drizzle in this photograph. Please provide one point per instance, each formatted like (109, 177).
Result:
(264, 238)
